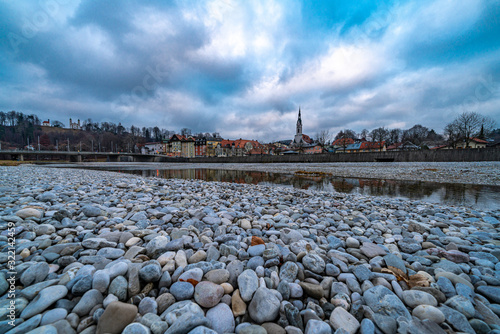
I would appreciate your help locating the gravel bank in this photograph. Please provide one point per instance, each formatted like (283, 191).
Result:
(100, 252)
(480, 173)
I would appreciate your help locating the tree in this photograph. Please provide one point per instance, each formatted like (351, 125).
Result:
(57, 124)
(470, 123)
(363, 134)
(452, 133)
(416, 134)
(379, 135)
(185, 132)
(347, 133)
(394, 136)
(44, 140)
(323, 137)
(157, 134)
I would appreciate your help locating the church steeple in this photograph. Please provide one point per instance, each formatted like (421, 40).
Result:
(299, 124)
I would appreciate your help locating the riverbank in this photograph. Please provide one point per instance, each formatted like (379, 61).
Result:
(480, 173)
(101, 251)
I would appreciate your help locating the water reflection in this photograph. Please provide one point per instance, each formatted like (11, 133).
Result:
(479, 197)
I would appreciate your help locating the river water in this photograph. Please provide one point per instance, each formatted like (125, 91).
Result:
(476, 196)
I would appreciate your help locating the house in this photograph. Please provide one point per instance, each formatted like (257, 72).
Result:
(473, 143)
(239, 147)
(46, 123)
(403, 146)
(153, 148)
(312, 149)
(200, 147)
(351, 148)
(369, 146)
(212, 143)
(187, 147)
(342, 142)
(174, 146)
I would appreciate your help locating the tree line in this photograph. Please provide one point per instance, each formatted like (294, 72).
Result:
(463, 128)
(18, 129)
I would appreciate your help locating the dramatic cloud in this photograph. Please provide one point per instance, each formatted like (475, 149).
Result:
(243, 68)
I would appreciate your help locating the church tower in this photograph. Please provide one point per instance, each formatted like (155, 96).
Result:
(298, 140)
(299, 124)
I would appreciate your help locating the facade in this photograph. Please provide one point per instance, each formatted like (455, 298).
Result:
(212, 143)
(187, 147)
(313, 149)
(74, 125)
(174, 146)
(200, 147)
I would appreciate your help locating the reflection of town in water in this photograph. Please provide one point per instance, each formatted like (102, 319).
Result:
(480, 197)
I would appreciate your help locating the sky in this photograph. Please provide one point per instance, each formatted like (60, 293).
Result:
(243, 68)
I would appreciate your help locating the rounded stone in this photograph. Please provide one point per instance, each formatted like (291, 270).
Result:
(136, 328)
(314, 263)
(248, 282)
(414, 298)
(222, 318)
(208, 294)
(150, 272)
(264, 306)
(182, 290)
(428, 312)
(100, 281)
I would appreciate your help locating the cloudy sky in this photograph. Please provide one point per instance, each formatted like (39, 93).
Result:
(243, 68)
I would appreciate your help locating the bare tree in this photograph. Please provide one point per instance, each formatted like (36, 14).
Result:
(363, 134)
(470, 124)
(416, 134)
(379, 134)
(323, 137)
(452, 133)
(394, 136)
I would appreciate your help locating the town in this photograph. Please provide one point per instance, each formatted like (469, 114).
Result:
(469, 130)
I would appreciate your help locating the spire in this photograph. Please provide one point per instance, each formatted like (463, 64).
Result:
(299, 124)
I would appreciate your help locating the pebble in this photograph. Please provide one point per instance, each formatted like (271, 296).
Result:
(105, 252)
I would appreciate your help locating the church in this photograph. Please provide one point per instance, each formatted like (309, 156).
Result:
(300, 139)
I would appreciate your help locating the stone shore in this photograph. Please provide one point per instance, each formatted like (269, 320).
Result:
(101, 252)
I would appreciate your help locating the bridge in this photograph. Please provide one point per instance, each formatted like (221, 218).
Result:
(75, 156)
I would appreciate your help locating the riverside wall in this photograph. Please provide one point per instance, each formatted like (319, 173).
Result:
(485, 154)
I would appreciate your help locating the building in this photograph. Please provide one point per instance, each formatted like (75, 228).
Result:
(473, 143)
(312, 149)
(200, 147)
(238, 148)
(187, 147)
(212, 143)
(153, 148)
(372, 146)
(74, 126)
(342, 142)
(403, 146)
(46, 123)
(174, 146)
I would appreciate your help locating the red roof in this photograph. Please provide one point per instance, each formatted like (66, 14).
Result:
(394, 146)
(307, 139)
(343, 141)
(477, 140)
(369, 145)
